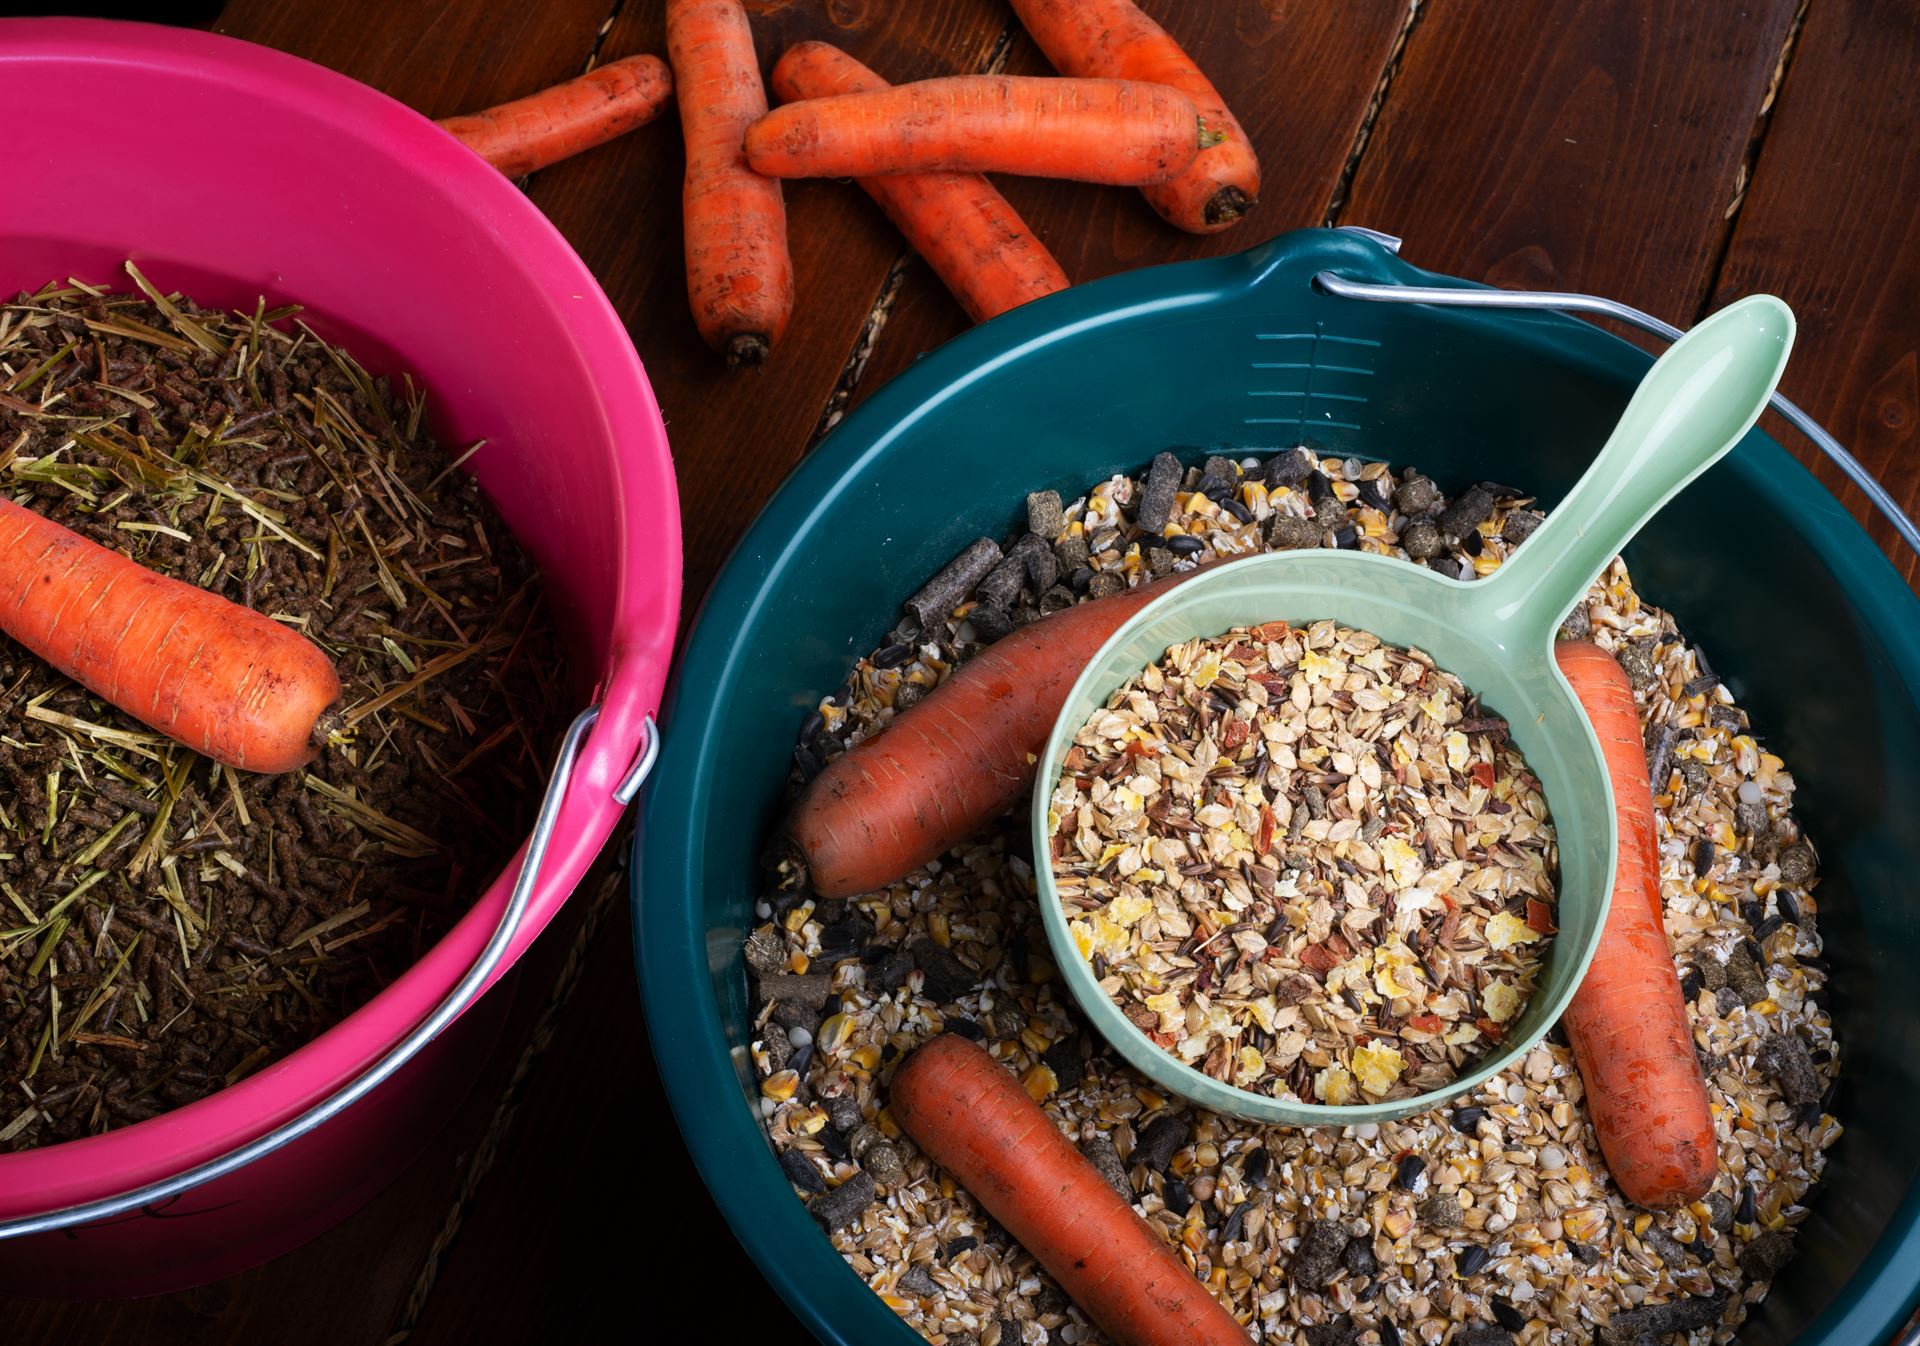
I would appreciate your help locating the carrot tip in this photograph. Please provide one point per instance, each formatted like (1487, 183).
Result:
(747, 348)
(1226, 206)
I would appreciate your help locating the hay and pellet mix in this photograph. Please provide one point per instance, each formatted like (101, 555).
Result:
(168, 926)
(1491, 1221)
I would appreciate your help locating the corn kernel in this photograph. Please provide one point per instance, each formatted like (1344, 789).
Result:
(1040, 1082)
(798, 962)
(813, 1123)
(1035, 1040)
(867, 1057)
(833, 1034)
(938, 928)
(799, 915)
(780, 1085)
(884, 1123)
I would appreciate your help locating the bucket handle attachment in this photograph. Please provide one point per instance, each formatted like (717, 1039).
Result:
(457, 1000)
(1448, 297)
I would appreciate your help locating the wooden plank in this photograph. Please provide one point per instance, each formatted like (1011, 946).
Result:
(1591, 144)
(594, 1194)
(736, 433)
(1828, 225)
(440, 58)
(1299, 78)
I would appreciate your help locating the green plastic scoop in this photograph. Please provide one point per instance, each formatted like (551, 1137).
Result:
(1496, 634)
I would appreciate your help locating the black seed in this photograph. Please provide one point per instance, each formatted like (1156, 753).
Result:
(801, 1172)
(1703, 856)
(966, 1243)
(1389, 1334)
(1820, 1056)
(1764, 931)
(966, 1028)
(1184, 544)
(1258, 1165)
(1789, 909)
(1347, 537)
(1473, 1259)
(1745, 1211)
(1467, 1120)
(830, 1007)
(1358, 1258)
(1408, 1174)
(834, 1144)
(1508, 1316)
(1319, 488)
(1690, 985)
(1238, 510)
(892, 657)
(1373, 493)
(810, 762)
(802, 1057)
(1236, 1224)
(811, 726)
(1179, 1200)
(1472, 543)
(1064, 1058)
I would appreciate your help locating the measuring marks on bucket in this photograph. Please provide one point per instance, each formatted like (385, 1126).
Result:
(1314, 380)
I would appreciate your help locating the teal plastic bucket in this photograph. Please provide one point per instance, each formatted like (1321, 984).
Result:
(1801, 613)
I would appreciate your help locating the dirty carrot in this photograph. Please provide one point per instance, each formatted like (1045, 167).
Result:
(739, 274)
(974, 241)
(1113, 39)
(1628, 1022)
(1091, 130)
(220, 678)
(556, 123)
(973, 1119)
(954, 762)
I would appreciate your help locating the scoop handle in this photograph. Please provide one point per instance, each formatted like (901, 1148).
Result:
(1696, 403)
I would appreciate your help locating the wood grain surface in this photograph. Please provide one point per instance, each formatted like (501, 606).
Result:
(1627, 147)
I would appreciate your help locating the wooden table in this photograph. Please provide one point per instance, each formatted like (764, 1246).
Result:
(1671, 154)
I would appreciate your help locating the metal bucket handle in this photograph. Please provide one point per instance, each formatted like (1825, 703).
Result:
(1446, 297)
(462, 995)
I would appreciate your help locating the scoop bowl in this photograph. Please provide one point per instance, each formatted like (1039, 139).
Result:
(1496, 634)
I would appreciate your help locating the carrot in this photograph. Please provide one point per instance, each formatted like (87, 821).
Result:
(220, 678)
(557, 123)
(954, 762)
(974, 241)
(1628, 1021)
(1090, 130)
(739, 275)
(1113, 38)
(973, 1119)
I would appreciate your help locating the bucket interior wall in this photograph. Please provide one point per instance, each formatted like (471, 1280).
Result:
(1518, 399)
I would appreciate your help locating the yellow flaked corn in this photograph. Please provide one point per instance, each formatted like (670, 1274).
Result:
(798, 916)
(1395, 1223)
(866, 1057)
(1040, 1082)
(813, 1122)
(884, 1123)
(780, 1085)
(833, 1034)
(937, 927)
(798, 962)
(1035, 1039)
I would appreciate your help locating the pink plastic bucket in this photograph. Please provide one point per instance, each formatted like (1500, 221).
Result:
(230, 171)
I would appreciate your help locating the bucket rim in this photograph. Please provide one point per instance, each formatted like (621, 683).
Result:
(639, 628)
(673, 959)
